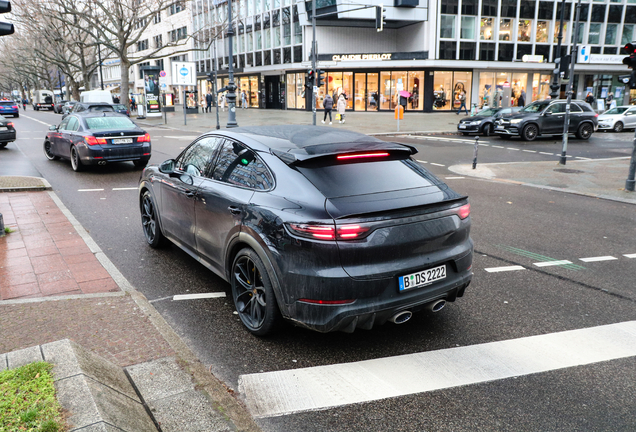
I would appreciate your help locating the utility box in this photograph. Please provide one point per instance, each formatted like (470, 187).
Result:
(406, 3)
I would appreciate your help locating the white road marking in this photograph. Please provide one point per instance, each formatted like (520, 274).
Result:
(552, 263)
(503, 269)
(454, 178)
(579, 157)
(598, 258)
(181, 137)
(629, 255)
(512, 148)
(421, 161)
(496, 146)
(297, 390)
(90, 190)
(484, 145)
(128, 188)
(198, 296)
(436, 164)
(546, 153)
(34, 119)
(530, 151)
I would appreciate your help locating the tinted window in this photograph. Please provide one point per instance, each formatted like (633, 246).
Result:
(7, 103)
(64, 123)
(368, 178)
(535, 107)
(632, 111)
(617, 110)
(195, 159)
(239, 166)
(73, 124)
(557, 108)
(101, 108)
(105, 123)
(575, 108)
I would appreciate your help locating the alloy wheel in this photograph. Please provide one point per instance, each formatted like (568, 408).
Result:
(618, 127)
(148, 219)
(47, 151)
(76, 164)
(249, 293)
(530, 132)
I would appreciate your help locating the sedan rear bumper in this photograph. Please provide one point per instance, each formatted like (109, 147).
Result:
(7, 135)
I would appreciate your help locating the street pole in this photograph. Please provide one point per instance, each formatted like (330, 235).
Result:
(573, 55)
(231, 86)
(215, 63)
(101, 75)
(313, 59)
(555, 86)
(629, 183)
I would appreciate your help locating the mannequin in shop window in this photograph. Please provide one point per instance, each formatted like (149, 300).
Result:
(486, 100)
(415, 97)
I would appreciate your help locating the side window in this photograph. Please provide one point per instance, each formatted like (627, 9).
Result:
(196, 158)
(631, 111)
(73, 124)
(557, 108)
(575, 108)
(240, 166)
(64, 124)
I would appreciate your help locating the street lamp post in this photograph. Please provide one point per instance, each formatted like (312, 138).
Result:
(101, 76)
(555, 86)
(231, 86)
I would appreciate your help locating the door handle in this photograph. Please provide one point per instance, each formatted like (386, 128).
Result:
(234, 210)
(190, 194)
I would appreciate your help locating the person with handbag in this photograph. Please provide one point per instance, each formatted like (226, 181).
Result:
(327, 104)
(342, 106)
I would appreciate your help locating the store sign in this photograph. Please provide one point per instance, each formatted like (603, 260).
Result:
(532, 58)
(361, 57)
(584, 56)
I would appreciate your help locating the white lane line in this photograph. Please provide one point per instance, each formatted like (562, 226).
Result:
(181, 137)
(454, 178)
(436, 164)
(598, 258)
(545, 153)
(529, 151)
(552, 263)
(34, 119)
(284, 392)
(512, 148)
(90, 190)
(484, 145)
(579, 157)
(630, 255)
(198, 296)
(421, 161)
(128, 188)
(496, 146)
(503, 269)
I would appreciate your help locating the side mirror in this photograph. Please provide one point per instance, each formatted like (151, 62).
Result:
(547, 113)
(167, 167)
(52, 128)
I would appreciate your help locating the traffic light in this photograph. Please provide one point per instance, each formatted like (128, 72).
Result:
(5, 28)
(380, 17)
(309, 78)
(630, 62)
(557, 66)
(321, 78)
(564, 66)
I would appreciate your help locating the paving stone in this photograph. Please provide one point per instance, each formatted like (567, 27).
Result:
(24, 357)
(190, 411)
(159, 379)
(3, 362)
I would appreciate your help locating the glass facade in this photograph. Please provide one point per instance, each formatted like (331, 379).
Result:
(447, 86)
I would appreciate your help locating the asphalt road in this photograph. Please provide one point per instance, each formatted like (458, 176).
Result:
(512, 226)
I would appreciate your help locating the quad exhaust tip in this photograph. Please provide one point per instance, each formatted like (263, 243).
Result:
(401, 317)
(101, 163)
(436, 306)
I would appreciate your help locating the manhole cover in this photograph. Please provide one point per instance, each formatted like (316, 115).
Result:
(569, 171)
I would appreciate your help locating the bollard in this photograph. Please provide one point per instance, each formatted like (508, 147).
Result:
(1, 225)
(475, 152)
(629, 183)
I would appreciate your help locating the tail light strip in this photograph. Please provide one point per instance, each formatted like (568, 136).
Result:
(329, 232)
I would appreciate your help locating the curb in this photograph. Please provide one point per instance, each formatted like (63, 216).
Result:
(44, 186)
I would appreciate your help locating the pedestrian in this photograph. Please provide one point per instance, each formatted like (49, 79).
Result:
(608, 101)
(327, 104)
(462, 102)
(133, 104)
(521, 101)
(208, 102)
(589, 98)
(244, 100)
(223, 101)
(342, 106)
(24, 104)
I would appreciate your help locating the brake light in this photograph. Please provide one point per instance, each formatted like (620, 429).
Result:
(326, 302)
(145, 138)
(349, 232)
(464, 211)
(14, 107)
(10, 124)
(596, 115)
(362, 155)
(91, 140)
(322, 232)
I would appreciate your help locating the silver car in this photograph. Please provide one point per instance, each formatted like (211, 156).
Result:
(617, 119)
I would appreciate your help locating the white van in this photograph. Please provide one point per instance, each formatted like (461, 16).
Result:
(42, 99)
(96, 96)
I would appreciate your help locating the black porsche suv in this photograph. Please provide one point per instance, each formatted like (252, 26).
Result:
(546, 117)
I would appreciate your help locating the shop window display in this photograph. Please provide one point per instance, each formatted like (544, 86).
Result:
(442, 90)
(524, 31)
(486, 29)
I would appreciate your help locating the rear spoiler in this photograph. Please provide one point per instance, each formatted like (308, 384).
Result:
(294, 156)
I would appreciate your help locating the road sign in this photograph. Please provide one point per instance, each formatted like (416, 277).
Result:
(162, 74)
(184, 73)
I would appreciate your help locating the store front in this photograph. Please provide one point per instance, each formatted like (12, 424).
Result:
(247, 83)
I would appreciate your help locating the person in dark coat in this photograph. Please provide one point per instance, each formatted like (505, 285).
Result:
(208, 101)
(521, 101)
(589, 98)
(327, 104)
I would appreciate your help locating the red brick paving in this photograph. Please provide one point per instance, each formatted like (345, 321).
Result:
(44, 255)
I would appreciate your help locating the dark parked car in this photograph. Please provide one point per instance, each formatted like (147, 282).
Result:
(121, 109)
(547, 117)
(329, 229)
(7, 132)
(9, 108)
(68, 106)
(484, 121)
(97, 139)
(81, 107)
(57, 108)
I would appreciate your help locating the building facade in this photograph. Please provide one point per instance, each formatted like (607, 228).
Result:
(428, 52)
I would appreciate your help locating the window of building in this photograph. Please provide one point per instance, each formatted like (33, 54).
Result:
(157, 18)
(509, 8)
(447, 50)
(568, 11)
(141, 74)
(610, 34)
(523, 49)
(470, 7)
(524, 31)
(543, 50)
(628, 33)
(609, 50)
(486, 29)
(449, 7)
(142, 45)
(258, 59)
(158, 41)
(447, 86)
(505, 29)
(585, 12)
(468, 30)
(545, 10)
(467, 50)
(447, 26)
(267, 58)
(630, 14)
(487, 51)
(298, 54)
(579, 34)
(506, 52)
(598, 13)
(287, 55)
(178, 34)
(556, 32)
(257, 6)
(159, 63)
(526, 9)
(286, 26)
(543, 27)
(615, 14)
(176, 7)
(594, 36)
(489, 7)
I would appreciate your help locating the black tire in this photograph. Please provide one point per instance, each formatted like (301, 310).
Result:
(530, 132)
(253, 294)
(150, 223)
(585, 131)
(618, 127)
(465, 133)
(140, 164)
(488, 129)
(47, 151)
(17, 116)
(76, 162)
(3, 145)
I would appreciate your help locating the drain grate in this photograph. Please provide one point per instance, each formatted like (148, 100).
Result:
(569, 171)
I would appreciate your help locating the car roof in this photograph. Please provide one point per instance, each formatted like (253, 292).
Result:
(88, 114)
(294, 143)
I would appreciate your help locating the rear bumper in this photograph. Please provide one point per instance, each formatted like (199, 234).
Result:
(7, 136)
(99, 155)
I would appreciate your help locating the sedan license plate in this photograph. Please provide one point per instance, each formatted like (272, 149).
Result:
(424, 277)
(462, 126)
(122, 141)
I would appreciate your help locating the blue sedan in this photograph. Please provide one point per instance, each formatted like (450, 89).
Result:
(9, 108)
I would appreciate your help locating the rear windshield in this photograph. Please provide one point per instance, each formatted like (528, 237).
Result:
(101, 108)
(7, 103)
(368, 177)
(108, 123)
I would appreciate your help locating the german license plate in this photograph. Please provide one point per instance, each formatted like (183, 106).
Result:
(462, 126)
(422, 278)
(500, 128)
(122, 141)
